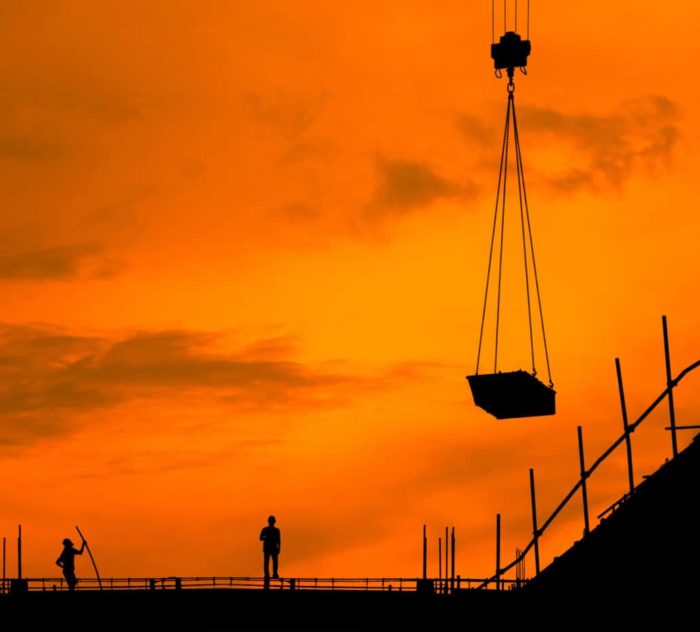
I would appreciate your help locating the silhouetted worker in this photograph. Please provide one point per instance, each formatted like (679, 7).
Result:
(272, 543)
(66, 560)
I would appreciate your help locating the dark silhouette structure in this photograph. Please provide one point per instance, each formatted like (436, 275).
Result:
(637, 563)
(66, 560)
(272, 544)
(630, 569)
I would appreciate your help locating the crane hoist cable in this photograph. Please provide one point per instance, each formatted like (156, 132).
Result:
(497, 241)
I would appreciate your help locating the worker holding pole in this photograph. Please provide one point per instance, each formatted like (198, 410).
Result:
(66, 560)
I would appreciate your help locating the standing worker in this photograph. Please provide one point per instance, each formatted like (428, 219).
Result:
(272, 543)
(66, 560)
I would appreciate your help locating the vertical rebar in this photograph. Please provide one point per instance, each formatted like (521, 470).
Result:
(425, 554)
(19, 553)
(584, 476)
(669, 385)
(452, 549)
(498, 551)
(3, 563)
(447, 565)
(535, 530)
(628, 438)
(439, 564)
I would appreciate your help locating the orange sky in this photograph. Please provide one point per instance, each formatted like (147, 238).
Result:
(242, 263)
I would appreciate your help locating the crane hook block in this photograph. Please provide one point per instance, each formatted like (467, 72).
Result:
(510, 52)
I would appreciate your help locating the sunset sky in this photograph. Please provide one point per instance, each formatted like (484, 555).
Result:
(242, 264)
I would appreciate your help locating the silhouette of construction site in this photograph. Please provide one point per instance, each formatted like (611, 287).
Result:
(632, 564)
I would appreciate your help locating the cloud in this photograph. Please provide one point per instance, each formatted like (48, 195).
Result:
(49, 377)
(299, 211)
(475, 129)
(599, 153)
(407, 185)
(58, 263)
(288, 113)
(26, 148)
(605, 151)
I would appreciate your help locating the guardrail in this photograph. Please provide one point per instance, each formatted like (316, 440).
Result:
(374, 584)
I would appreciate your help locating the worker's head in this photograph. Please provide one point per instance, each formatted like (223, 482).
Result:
(67, 542)
(271, 520)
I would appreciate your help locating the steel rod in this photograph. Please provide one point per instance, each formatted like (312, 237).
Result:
(671, 409)
(498, 551)
(628, 432)
(535, 532)
(584, 475)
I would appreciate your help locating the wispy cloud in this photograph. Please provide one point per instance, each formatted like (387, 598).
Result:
(57, 263)
(595, 152)
(31, 148)
(50, 377)
(289, 113)
(405, 186)
(475, 129)
(605, 151)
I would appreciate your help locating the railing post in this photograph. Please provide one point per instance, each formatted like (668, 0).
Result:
(669, 385)
(584, 476)
(452, 549)
(19, 554)
(447, 564)
(498, 551)
(628, 439)
(425, 555)
(535, 533)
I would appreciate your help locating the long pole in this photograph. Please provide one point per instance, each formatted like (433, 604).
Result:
(535, 531)
(628, 439)
(584, 476)
(452, 549)
(439, 562)
(447, 553)
(669, 385)
(3, 564)
(19, 553)
(425, 554)
(92, 559)
(498, 551)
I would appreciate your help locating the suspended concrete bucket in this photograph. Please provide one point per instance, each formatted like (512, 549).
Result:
(512, 394)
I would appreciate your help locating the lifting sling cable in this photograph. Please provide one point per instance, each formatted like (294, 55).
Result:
(525, 209)
(527, 240)
(502, 167)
